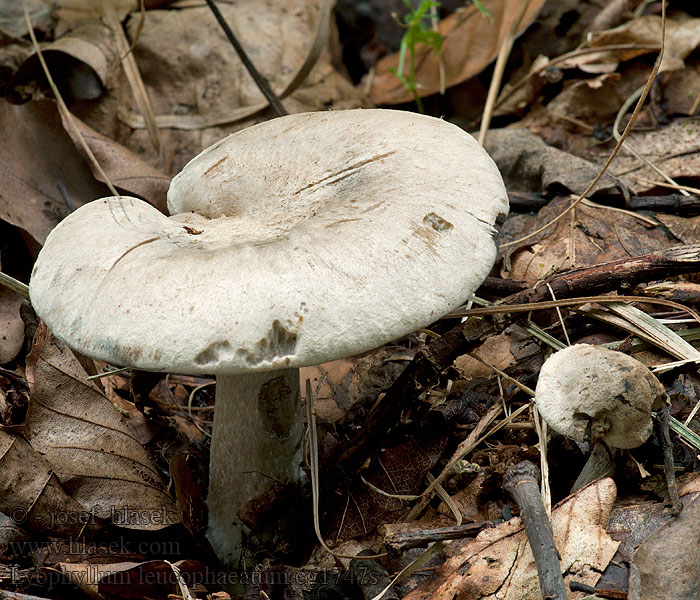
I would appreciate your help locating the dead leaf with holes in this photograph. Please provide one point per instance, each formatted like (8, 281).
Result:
(88, 442)
(499, 562)
(471, 42)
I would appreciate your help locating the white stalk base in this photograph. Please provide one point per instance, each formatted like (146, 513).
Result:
(256, 441)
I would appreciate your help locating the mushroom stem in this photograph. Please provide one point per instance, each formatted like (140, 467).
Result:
(256, 442)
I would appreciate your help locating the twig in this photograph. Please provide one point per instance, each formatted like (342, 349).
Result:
(260, 81)
(522, 482)
(669, 468)
(405, 540)
(671, 185)
(673, 203)
(497, 77)
(14, 284)
(62, 108)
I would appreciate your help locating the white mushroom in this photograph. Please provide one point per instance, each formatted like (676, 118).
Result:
(298, 241)
(589, 389)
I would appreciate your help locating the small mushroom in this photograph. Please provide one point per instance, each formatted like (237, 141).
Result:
(297, 241)
(589, 391)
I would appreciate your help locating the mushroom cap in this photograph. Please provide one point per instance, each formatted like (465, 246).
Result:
(583, 383)
(313, 237)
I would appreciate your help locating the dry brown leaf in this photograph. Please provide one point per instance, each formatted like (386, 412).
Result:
(674, 148)
(190, 500)
(682, 37)
(87, 576)
(123, 168)
(471, 42)
(31, 494)
(154, 579)
(36, 156)
(514, 346)
(590, 100)
(600, 235)
(11, 325)
(527, 163)
(88, 443)
(193, 112)
(13, 23)
(499, 562)
(10, 534)
(72, 13)
(666, 566)
(325, 379)
(397, 470)
(686, 229)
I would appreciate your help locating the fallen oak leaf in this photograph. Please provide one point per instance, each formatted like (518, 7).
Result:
(33, 497)
(499, 562)
(88, 442)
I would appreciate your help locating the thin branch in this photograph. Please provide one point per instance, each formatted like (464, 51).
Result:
(260, 81)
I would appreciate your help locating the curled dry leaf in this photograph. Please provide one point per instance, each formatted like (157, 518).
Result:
(682, 37)
(471, 42)
(80, 63)
(31, 494)
(499, 562)
(88, 443)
